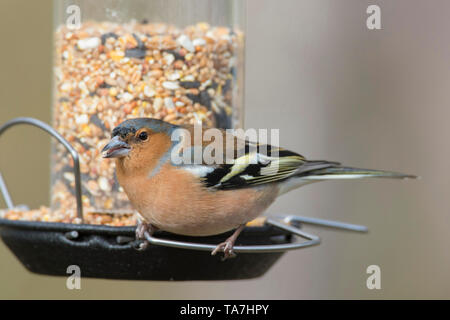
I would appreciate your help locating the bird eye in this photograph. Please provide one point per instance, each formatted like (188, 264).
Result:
(143, 136)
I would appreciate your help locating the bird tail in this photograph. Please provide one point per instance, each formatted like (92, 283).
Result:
(315, 171)
(340, 172)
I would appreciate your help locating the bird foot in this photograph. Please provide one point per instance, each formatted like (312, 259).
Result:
(227, 248)
(228, 245)
(142, 229)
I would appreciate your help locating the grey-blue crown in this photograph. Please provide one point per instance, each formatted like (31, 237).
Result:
(134, 125)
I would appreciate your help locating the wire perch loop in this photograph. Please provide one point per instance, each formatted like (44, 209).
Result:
(76, 159)
(311, 241)
(291, 224)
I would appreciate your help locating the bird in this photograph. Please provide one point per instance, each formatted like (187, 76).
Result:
(203, 198)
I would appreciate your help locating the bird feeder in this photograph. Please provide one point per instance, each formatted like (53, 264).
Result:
(111, 252)
(181, 61)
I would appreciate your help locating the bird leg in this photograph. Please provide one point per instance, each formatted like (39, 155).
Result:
(143, 228)
(227, 246)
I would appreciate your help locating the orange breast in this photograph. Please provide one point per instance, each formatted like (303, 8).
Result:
(175, 201)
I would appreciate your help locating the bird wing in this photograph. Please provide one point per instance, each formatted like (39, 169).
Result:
(255, 168)
(244, 164)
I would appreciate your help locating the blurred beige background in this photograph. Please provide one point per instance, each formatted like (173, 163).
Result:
(377, 99)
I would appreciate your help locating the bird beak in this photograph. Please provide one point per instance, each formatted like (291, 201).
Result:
(116, 148)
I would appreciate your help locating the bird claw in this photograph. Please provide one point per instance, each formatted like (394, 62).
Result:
(143, 245)
(141, 230)
(227, 248)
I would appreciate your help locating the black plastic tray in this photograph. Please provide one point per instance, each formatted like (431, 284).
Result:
(110, 252)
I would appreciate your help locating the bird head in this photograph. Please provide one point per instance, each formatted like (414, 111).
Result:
(135, 135)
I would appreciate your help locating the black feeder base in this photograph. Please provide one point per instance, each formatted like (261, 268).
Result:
(110, 252)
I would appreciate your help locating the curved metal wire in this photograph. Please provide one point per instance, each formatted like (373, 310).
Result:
(5, 193)
(76, 159)
(326, 223)
(311, 241)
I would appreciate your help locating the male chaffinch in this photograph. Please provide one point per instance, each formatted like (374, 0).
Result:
(203, 199)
